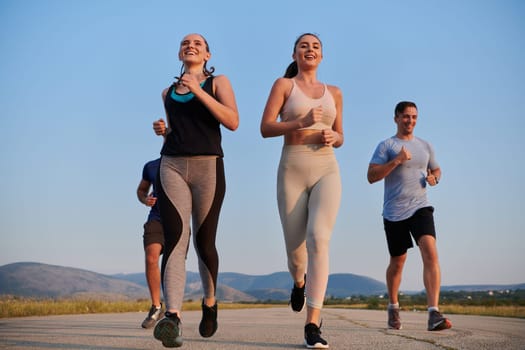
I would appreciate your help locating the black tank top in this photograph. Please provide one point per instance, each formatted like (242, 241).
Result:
(194, 130)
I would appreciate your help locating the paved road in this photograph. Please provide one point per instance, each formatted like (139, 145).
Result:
(274, 328)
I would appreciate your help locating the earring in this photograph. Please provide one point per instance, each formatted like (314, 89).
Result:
(180, 75)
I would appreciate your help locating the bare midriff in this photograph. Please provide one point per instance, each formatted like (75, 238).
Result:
(303, 137)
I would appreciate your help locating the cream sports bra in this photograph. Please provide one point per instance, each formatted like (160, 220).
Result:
(298, 105)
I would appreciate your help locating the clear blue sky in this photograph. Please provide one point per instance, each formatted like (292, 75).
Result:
(81, 82)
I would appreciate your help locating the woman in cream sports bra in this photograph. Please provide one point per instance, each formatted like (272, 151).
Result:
(308, 180)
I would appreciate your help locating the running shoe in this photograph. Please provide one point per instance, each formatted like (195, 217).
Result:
(394, 321)
(436, 321)
(297, 298)
(169, 331)
(312, 337)
(153, 316)
(208, 325)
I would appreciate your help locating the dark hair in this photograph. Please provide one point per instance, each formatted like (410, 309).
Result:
(207, 72)
(401, 106)
(292, 69)
(204, 69)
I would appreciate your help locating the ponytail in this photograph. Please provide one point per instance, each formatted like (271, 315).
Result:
(291, 71)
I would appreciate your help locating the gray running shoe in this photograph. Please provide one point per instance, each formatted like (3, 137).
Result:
(312, 337)
(394, 321)
(436, 321)
(169, 331)
(153, 316)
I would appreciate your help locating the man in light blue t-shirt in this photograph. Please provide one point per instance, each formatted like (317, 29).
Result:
(407, 164)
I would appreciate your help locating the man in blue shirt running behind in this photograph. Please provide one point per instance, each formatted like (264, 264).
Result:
(153, 239)
(407, 164)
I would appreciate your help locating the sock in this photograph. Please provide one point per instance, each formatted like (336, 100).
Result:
(433, 308)
(393, 306)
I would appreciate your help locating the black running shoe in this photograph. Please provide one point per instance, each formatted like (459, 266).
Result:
(169, 331)
(208, 325)
(312, 337)
(297, 298)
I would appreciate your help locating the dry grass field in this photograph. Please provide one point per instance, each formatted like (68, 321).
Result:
(20, 307)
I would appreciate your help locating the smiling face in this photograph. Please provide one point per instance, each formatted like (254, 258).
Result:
(308, 51)
(406, 122)
(194, 49)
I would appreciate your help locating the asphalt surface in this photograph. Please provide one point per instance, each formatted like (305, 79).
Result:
(273, 328)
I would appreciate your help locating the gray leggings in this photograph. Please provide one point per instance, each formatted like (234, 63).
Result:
(308, 196)
(190, 189)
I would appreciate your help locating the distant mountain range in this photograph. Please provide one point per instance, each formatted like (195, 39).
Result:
(275, 286)
(30, 279)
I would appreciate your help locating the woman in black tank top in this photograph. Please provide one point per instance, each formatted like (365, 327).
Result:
(191, 184)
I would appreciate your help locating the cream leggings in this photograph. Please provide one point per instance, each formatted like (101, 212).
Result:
(308, 195)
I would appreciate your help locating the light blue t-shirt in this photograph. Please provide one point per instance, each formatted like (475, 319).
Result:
(405, 186)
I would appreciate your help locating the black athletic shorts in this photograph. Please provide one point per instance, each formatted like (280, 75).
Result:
(399, 233)
(153, 233)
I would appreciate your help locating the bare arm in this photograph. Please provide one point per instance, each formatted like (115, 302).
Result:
(377, 172)
(224, 108)
(142, 194)
(433, 176)
(159, 126)
(270, 127)
(335, 136)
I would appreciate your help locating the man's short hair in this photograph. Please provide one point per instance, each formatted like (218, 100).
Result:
(401, 106)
